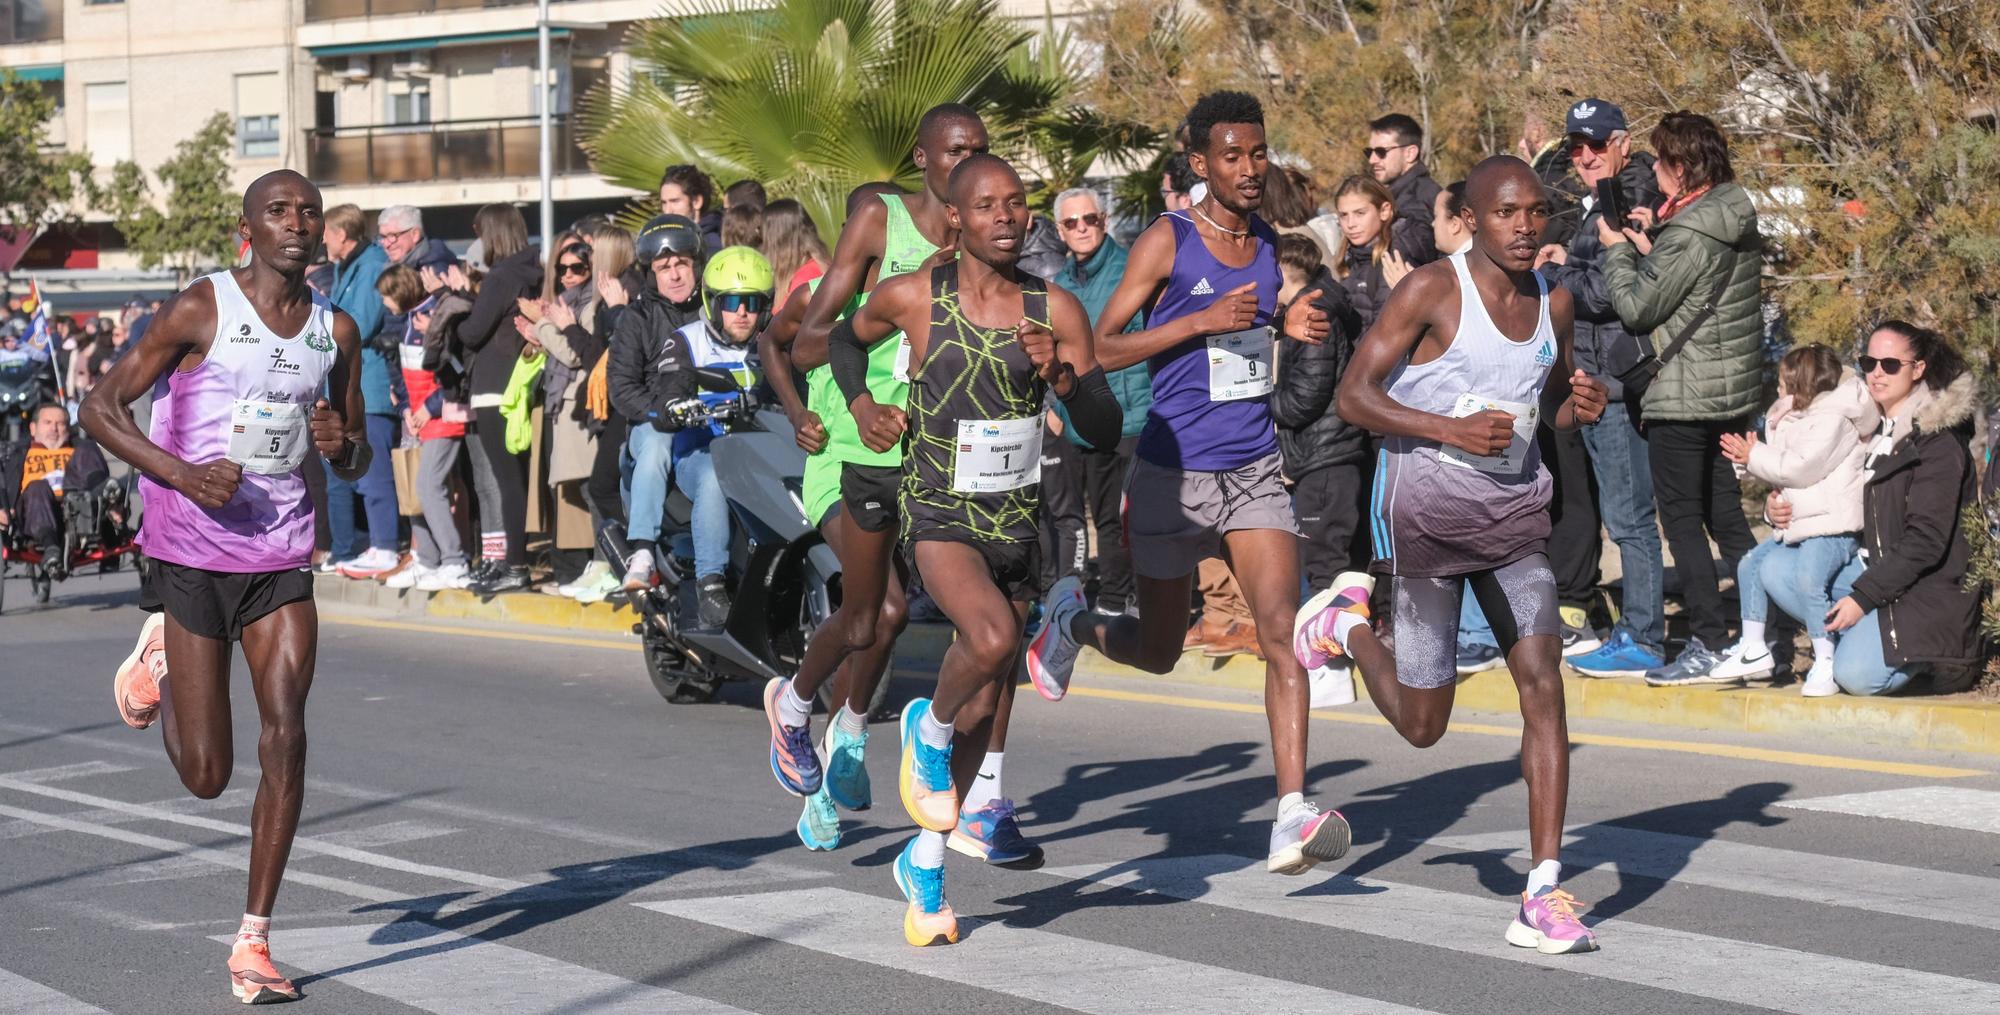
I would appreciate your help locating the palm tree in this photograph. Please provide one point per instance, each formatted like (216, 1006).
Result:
(815, 97)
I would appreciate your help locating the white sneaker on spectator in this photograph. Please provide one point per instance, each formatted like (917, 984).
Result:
(1819, 680)
(605, 588)
(638, 571)
(407, 578)
(450, 576)
(370, 564)
(1745, 660)
(593, 575)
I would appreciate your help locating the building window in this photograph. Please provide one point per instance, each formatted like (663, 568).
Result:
(411, 107)
(260, 104)
(107, 121)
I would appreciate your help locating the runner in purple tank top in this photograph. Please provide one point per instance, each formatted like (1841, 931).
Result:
(1469, 357)
(1207, 481)
(237, 363)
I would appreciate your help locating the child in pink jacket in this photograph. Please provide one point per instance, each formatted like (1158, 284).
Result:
(1816, 438)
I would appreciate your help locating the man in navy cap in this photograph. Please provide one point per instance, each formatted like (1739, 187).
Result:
(1600, 150)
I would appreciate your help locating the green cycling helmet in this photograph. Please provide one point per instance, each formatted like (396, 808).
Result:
(740, 272)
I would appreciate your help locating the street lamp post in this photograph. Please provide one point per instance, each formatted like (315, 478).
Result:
(548, 144)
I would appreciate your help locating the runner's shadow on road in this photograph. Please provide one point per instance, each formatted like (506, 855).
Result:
(1684, 826)
(1400, 817)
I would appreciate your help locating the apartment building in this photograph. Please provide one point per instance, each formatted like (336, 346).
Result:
(426, 102)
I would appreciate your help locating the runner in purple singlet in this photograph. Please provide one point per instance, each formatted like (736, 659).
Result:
(1207, 481)
(238, 363)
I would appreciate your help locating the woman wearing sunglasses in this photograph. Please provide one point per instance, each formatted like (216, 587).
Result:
(1903, 610)
(568, 446)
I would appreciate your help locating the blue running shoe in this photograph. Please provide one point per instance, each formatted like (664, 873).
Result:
(924, 776)
(929, 919)
(793, 759)
(991, 834)
(847, 768)
(819, 825)
(1618, 657)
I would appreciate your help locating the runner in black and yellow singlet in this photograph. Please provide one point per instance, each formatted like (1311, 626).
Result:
(991, 341)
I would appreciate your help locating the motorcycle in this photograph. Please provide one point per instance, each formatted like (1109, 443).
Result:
(783, 578)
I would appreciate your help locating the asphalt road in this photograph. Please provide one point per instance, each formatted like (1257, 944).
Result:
(500, 822)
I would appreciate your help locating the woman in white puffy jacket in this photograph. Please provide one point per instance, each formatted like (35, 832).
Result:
(1817, 436)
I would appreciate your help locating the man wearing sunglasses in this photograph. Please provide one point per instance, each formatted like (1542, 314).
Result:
(1395, 154)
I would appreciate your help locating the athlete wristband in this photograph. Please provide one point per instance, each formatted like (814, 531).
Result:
(848, 360)
(1094, 411)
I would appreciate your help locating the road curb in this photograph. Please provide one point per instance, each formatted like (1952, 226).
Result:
(1915, 723)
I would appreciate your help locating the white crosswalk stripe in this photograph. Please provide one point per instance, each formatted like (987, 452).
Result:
(22, 996)
(1087, 976)
(1743, 972)
(1976, 810)
(439, 971)
(1761, 870)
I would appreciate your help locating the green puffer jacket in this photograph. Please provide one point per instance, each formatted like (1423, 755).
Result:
(1718, 373)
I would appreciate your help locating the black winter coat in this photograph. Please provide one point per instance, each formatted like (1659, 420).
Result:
(1604, 348)
(1367, 290)
(1917, 552)
(649, 363)
(487, 333)
(1310, 434)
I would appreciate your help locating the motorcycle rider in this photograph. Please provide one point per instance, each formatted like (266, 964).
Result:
(645, 373)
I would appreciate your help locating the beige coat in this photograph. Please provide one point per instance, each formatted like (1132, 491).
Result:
(1815, 458)
(574, 448)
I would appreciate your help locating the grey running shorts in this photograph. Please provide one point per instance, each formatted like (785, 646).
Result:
(1519, 600)
(1175, 518)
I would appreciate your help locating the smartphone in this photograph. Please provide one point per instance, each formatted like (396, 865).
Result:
(1611, 198)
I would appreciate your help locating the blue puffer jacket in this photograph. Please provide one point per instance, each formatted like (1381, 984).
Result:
(354, 292)
(1093, 281)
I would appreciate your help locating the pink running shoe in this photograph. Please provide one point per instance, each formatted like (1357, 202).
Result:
(137, 685)
(252, 977)
(1548, 924)
(1312, 630)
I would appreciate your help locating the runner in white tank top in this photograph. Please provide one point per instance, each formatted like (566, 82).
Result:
(1467, 358)
(238, 364)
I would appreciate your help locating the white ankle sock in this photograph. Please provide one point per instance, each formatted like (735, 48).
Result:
(1288, 802)
(1823, 648)
(1753, 638)
(933, 733)
(1546, 874)
(1345, 624)
(254, 929)
(986, 788)
(929, 853)
(792, 709)
(851, 722)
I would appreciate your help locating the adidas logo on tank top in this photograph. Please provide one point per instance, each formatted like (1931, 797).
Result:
(1202, 288)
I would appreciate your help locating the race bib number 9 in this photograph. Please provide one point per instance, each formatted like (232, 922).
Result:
(997, 455)
(1508, 462)
(1239, 365)
(268, 438)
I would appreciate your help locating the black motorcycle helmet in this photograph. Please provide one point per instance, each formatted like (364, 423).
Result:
(667, 234)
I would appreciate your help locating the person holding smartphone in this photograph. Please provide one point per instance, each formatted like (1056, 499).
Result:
(1618, 180)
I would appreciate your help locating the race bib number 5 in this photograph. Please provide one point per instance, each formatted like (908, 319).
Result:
(268, 438)
(1239, 365)
(997, 455)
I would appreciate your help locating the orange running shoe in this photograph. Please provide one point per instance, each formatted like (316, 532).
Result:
(252, 977)
(137, 685)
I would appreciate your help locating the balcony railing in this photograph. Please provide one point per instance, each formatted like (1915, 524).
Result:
(328, 10)
(30, 21)
(457, 150)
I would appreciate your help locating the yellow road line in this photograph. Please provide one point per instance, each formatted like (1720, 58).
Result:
(1246, 708)
(1594, 739)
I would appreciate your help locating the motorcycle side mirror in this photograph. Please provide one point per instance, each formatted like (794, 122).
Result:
(719, 381)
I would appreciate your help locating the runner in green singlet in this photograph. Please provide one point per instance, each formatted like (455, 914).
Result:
(992, 341)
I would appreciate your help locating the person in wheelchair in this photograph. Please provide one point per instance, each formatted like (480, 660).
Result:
(35, 475)
(737, 286)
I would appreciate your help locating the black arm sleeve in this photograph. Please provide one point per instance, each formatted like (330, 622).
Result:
(848, 359)
(1094, 411)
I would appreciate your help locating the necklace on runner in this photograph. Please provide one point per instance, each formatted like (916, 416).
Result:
(1218, 227)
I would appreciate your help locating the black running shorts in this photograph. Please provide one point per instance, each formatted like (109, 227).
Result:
(869, 493)
(220, 604)
(1015, 566)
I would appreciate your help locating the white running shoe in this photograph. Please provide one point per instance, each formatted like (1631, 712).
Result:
(450, 576)
(638, 571)
(1332, 685)
(1052, 654)
(370, 564)
(408, 577)
(1819, 680)
(604, 589)
(593, 575)
(1745, 660)
(1306, 838)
